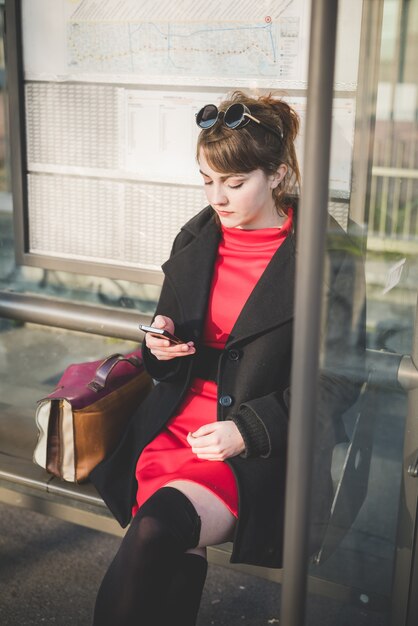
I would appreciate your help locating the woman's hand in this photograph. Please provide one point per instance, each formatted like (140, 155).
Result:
(216, 441)
(163, 349)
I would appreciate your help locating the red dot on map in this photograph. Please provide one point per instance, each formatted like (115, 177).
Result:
(267, 19)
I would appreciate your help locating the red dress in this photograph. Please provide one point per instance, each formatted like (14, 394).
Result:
(242, 257)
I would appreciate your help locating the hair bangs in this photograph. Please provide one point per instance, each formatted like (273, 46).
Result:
(228, 153)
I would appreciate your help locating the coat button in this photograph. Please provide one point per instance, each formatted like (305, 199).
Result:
(225, 401)
(233, 355)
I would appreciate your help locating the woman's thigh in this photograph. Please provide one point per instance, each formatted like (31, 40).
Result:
(218, 523)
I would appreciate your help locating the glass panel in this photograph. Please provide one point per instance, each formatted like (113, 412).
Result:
(32, 358)
(66, 285)
(352, 575)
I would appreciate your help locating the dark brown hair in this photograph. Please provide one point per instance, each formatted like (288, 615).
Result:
(253, 147)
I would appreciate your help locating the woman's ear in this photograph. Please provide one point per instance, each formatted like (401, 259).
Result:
(278, 176)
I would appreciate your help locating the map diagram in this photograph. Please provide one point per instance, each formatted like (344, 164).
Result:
(265, 42)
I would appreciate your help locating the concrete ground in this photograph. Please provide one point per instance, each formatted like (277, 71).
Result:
(50, 571)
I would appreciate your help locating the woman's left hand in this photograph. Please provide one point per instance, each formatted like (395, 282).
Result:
(216, 441)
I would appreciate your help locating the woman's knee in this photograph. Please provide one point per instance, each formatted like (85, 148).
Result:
(167, 516)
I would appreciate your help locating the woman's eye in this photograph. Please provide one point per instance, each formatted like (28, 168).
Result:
(236, 186)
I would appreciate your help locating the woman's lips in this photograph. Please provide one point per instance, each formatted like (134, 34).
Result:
(224, 213)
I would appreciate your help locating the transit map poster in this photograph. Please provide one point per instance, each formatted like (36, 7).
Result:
(222, 42)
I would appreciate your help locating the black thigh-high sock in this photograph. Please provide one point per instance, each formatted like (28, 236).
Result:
(134, 587)
(185, 591)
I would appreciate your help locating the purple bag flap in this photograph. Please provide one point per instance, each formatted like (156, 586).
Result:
(73, 385)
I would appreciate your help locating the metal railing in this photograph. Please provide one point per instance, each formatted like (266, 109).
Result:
(96, 320)
(393, 206)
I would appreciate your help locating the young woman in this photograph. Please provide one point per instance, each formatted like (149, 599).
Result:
(203, 461)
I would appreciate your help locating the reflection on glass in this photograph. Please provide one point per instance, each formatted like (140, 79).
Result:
(352, 574)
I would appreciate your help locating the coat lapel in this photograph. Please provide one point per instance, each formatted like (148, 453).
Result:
(189, 272)
(271, 301)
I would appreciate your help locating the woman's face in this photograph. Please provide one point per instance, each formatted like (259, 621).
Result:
(242, 200)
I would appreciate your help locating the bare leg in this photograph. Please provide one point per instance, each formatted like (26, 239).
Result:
(218, 522)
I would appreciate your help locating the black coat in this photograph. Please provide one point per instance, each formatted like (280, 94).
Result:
(259, 379)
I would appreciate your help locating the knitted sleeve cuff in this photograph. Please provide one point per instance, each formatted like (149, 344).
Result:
(253, 432)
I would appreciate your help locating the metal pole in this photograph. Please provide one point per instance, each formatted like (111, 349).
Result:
(311, 234)
(86, 318)
(16, 119)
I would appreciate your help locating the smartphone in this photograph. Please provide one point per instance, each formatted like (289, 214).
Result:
(161, 333)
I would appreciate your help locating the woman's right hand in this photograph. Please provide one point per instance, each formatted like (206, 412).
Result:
(163, 349)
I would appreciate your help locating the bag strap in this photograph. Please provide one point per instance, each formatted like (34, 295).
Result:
(98, 383)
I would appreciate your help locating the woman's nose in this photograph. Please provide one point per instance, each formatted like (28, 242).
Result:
(218, 196)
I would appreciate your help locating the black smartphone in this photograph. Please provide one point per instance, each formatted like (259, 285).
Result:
(161, 333)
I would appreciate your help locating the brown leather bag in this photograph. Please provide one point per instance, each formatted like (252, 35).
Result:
(83, 419)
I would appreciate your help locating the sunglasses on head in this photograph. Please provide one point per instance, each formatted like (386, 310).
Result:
(236, 116)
